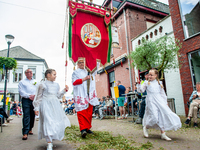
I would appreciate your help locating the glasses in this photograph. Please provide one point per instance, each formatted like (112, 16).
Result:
(80, 62)
(29, 72)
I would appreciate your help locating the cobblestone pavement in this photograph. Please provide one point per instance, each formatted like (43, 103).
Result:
(183, 139)
(11, 138)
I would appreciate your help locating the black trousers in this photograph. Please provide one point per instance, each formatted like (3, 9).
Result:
(3, 113)
(28, 115)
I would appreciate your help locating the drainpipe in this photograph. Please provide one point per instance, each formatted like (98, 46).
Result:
(130, 74)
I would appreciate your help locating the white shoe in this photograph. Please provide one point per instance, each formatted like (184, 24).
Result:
(101, 117)
(164, 137)
(4, 125)
(74, 114)
(145, 131)
(96, 117)
(50, 146)
(9, 119)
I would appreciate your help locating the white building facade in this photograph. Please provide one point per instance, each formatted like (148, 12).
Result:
(25, 60)
(172, 76)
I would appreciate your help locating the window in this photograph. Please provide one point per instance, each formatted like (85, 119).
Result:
(2, 76)
(17, 75)
(139, 42)
(112, 78)
(111, 52)
(190, 11)
(147, 37)
(151, 35)
(156, 31)
(34, 71)
(194, 60)
(160, 29)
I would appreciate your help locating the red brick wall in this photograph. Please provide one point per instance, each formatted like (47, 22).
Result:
(101, 85)
(188, 45)
(136, 24)
(121, 73)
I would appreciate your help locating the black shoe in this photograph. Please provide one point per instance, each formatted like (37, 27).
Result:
(83, 133)
(195, 125)
(89, 132)
(187, 122)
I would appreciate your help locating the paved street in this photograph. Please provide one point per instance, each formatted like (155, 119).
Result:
(11, 138)
(183, 139)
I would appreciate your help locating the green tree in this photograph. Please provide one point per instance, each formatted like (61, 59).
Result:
(160, 54)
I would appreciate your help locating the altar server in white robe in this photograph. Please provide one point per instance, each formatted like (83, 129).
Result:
(53, 120)
(157, 115)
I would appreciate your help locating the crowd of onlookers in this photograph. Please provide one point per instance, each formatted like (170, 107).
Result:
(107, 106)
(15, 109)
(69, 106)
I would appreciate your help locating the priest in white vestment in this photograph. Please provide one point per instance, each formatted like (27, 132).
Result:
(85, 97)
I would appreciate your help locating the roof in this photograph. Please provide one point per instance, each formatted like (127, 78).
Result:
(19, 53)
(151, 27)
(152, 4)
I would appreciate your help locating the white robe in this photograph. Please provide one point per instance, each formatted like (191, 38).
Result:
(53, 120)
(81, 98)
(157, 113)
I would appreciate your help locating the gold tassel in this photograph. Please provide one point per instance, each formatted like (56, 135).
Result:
(92, 77)
(107, 28)
(74, 68)
(72, 21)
(105, 71)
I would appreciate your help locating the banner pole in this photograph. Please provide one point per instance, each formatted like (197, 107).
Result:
(67, 32)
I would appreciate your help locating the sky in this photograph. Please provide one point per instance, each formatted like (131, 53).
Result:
(188, 5)
(38, 26)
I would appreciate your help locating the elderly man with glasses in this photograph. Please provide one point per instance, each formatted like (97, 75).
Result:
(27, 88)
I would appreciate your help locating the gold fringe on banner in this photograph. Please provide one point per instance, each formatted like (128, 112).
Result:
(105, 70)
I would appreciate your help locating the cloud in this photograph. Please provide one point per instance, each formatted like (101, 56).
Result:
(193, 2)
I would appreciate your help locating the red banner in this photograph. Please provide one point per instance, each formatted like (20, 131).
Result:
(89, 34)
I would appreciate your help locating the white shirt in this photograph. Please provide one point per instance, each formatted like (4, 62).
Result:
(27, 87)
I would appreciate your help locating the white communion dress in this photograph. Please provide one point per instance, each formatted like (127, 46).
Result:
(53, 121)
(157, 113)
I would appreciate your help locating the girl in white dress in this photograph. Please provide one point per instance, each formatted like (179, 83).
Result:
(157, 113)
(53, 121)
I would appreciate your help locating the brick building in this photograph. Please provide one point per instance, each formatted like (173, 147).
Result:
(131, 18)
(186, 26)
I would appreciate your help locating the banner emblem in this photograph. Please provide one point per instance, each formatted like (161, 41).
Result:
(90, 35)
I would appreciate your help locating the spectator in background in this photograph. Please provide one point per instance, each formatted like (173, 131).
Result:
(19, 104)
(121, 99)
(96, 111)
(107, 104)
(143, 103)
(70, 107)
(11, 110)
(14, 108)
(3, 113)
(194, 105)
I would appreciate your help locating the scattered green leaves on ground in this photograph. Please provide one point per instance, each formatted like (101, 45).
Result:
(102, 140)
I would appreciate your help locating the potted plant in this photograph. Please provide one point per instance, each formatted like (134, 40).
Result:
(7, 63)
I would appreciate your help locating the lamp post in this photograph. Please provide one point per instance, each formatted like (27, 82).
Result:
(9, 39)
